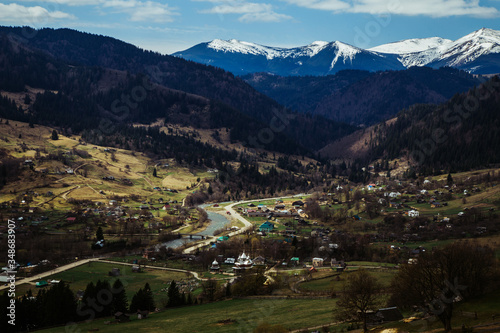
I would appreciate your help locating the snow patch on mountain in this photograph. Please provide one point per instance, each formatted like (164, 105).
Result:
(410, 45)
(236, 46)
(347, 52)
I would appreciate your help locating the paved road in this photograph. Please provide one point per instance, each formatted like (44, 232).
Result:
(33, 279)
(236, 215)
(51, 272)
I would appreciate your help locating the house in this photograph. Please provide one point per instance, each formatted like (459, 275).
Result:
(317, 262)
(339, 265)
(121, 317)
(230, 261)
(136, 269)
(259, 261)
(266, 227)
(413, 213)
(295, 261)
(114, 272)
(435, 204)
(71, 219)
(386, 315)
(297, 204)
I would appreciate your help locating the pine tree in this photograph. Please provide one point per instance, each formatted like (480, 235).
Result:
(99, 234)
(104, 297)
(154, 172)
(120, 302)
(149, 301)
(174, 296)
(54, 136)
(136, 303)
(449, 179)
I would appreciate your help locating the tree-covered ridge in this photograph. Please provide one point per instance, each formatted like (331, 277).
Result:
(222, 87)
(460, 134)
(362, 97)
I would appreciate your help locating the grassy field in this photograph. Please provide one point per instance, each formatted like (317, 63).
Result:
(80, 276)
(335, 282)
(244, 316)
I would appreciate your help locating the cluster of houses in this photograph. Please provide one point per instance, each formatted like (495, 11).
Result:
(279, 210)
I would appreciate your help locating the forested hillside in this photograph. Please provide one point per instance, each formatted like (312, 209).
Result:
(360, 97)
(223, 89)
(460, 134)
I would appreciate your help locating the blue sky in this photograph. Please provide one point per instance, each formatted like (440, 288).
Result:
(174, 25)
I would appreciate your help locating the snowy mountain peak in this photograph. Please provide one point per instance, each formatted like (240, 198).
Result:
(237, 46)
(477, 52)
(410, 45)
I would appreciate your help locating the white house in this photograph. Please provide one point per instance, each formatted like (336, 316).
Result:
(317, 262)
(413, 213)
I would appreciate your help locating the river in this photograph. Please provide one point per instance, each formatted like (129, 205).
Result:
(217, 221)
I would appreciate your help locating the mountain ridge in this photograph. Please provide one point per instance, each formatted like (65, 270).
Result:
(477, 53)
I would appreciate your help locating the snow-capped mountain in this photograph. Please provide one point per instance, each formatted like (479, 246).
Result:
(478, 52)
(317, 58)
(411, 45)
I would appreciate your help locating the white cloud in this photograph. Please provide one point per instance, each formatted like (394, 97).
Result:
(144, 11)
(432, 8)
(33, 16)
(69, 2)
(249, 11)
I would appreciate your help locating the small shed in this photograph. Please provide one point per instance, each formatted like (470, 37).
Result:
(114, 272)
(142, 314)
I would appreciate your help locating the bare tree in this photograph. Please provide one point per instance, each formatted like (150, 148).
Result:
(359, 296)
(440, 279)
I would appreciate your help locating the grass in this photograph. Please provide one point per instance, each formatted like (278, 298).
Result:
(80, 276)
(336, 281)
(485, 307)
(245, 315)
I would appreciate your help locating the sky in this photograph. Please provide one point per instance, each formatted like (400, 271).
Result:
(175, 25)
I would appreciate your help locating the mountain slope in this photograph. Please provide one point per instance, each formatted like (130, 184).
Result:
(410, 45)
(318, 58)
(458, 135)
(223, 89)
(361, 97)
(477, 52)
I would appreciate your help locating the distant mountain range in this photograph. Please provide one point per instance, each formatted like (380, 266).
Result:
(477, 53)
(91, 71)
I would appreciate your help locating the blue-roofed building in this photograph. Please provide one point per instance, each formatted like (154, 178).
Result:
(266, 227)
